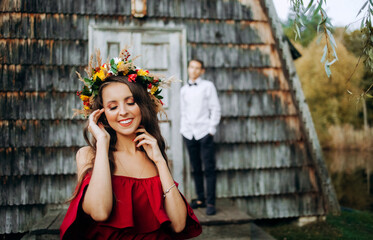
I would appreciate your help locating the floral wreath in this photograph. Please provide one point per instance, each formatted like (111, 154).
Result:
(121, 65)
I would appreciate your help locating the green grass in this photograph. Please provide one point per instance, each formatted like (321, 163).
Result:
(352, 224)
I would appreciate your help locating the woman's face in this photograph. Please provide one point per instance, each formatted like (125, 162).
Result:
(122, 113)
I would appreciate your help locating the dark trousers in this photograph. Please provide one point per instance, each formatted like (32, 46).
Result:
(203, 151)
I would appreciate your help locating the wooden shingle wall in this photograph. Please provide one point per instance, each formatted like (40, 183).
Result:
(264, 160)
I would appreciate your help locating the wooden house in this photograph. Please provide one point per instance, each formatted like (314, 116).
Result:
(269, 161)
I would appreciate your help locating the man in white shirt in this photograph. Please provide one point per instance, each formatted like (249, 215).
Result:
(200, 115)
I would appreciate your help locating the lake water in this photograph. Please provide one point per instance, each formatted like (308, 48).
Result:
(351, 173)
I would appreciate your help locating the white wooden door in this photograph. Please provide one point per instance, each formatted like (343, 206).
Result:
(161, 51)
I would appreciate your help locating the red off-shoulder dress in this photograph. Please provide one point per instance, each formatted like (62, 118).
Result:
(138, 213)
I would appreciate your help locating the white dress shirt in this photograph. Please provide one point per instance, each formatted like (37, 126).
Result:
(200, 109)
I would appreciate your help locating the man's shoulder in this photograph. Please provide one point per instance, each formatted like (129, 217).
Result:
(207, 82)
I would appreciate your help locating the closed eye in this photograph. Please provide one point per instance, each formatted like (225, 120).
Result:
(113, 108)
(130, 101)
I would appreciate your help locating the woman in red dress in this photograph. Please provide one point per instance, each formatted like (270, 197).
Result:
(125, 189)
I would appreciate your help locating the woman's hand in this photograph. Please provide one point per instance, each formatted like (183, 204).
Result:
(97, 130)
(150, 145)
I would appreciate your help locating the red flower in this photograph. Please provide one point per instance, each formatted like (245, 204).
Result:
(97, 69)
(132, 77)
(149, 86)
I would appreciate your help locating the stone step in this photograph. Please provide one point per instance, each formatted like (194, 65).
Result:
(226, 231)
(243, 231)
(224, 215)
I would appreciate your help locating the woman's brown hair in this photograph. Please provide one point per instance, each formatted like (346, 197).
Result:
(149, 120)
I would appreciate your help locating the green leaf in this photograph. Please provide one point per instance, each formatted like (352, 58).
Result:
(114, 70)
(295, 34)
(325, 52)
(87, 81)
(327, 69)
(157, 92)
(97, 79)
(301, 22)
(95, 88)
(368, 95)
(318, 8)
(362, 24)
(112, 61)
(324, 13)
(86, 91)
(331, 37)
(298, 31)
(322, 21)
(361, 9)
(309, 6)
(335, 53)
(332, 62)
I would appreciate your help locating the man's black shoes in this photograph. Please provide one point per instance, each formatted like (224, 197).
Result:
(197, 204)
(210, 210)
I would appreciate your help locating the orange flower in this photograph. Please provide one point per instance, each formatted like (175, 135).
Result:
(154, 89)
(84, 98)
(141, 72)
(100, 74)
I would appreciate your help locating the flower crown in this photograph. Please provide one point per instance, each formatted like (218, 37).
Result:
(121, 65)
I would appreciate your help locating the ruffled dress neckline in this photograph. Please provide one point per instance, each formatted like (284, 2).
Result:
(138, 211)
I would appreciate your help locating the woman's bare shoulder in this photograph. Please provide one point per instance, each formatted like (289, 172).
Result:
(85, 150)
(84, 156)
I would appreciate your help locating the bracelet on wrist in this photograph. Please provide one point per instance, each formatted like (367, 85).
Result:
(168, 190)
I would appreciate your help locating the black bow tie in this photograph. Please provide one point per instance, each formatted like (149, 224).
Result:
(191, 84)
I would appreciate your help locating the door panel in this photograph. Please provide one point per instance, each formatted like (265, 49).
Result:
(157, 56)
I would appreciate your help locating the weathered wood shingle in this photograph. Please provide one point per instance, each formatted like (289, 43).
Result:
(235, 56)
(43, 52)
(247, 79)
(256, 104)
(38, 105)
(41, 133)
(120, 7)
(35, 190)
(283, 206)
(273, 129)
(264, 182)
(32, 78)
(15, 219)
(40, 160)
(261, 156)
